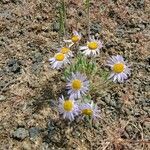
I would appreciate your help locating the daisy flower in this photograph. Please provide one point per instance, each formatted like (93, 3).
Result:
(59, 60)
(77, 85)
(90, 109)
(120, 70)
(92, 48)
(74, 39)
(68, 108)
(66, 51)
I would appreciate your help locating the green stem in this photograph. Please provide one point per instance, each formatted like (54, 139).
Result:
(88, 17)
(62, 19)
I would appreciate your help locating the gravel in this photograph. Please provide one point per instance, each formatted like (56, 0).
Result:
(2, 98)
(33, 132)
(20, 134)
(55, 27)
(14, 65)
(95, 28)
(37, 57)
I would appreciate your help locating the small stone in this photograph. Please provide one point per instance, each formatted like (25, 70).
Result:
(74, 146)
(44, 146)
(120, 32)
(141, 26)
(1, 127)
(39, 17)
(26, 145)
(129, 129)
(36, 68)
(14, 65)
(127, 111)
(20, 134)
(2, 98)
(33, 132)
(37, 57)
(95, 28)
(53, 133)
(55, 27)
(147, 88)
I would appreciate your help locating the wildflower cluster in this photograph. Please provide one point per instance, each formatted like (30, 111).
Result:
(78, 83)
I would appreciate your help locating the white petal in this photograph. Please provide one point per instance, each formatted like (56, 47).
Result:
(75, 33)
(67, 41)
(70, 45)
(111, 75)
(83, 47)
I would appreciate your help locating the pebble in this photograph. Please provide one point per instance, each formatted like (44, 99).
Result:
(134, 30)
(26, 145)
(14, 65)
(120, 32)
(33, 132)
(20, 134)
(141, 26)
(95, 28)
(2, 98)
(129, 129)
(45, 145)
(36, 68)
(37, 57)
(55, 27)
(53, 134)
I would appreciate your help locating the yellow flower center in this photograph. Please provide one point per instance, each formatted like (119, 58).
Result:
(76, 84)
(118, 68)
(87, 112)
(92, 45)
(75, 38)
(64, 50)
(60, 57)
(68, 105)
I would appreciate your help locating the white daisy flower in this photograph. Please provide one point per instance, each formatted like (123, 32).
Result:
(68, 108)
(59, 60)
(66, 51)
(74, 39)
(90, 109)
(120, 70)
(92, 48)
(78, 85)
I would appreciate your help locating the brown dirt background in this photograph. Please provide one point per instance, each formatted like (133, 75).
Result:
(30, 88)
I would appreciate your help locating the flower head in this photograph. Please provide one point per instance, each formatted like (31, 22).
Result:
(120, 70)
(68, 108)
(90, 109)
(92, 48)
(77, 85)
(76, 37)
(59, 60)
(66, 51)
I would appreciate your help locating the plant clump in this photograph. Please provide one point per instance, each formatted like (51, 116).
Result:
(80, 69)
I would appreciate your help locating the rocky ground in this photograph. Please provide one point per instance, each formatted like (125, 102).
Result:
(29, 88)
